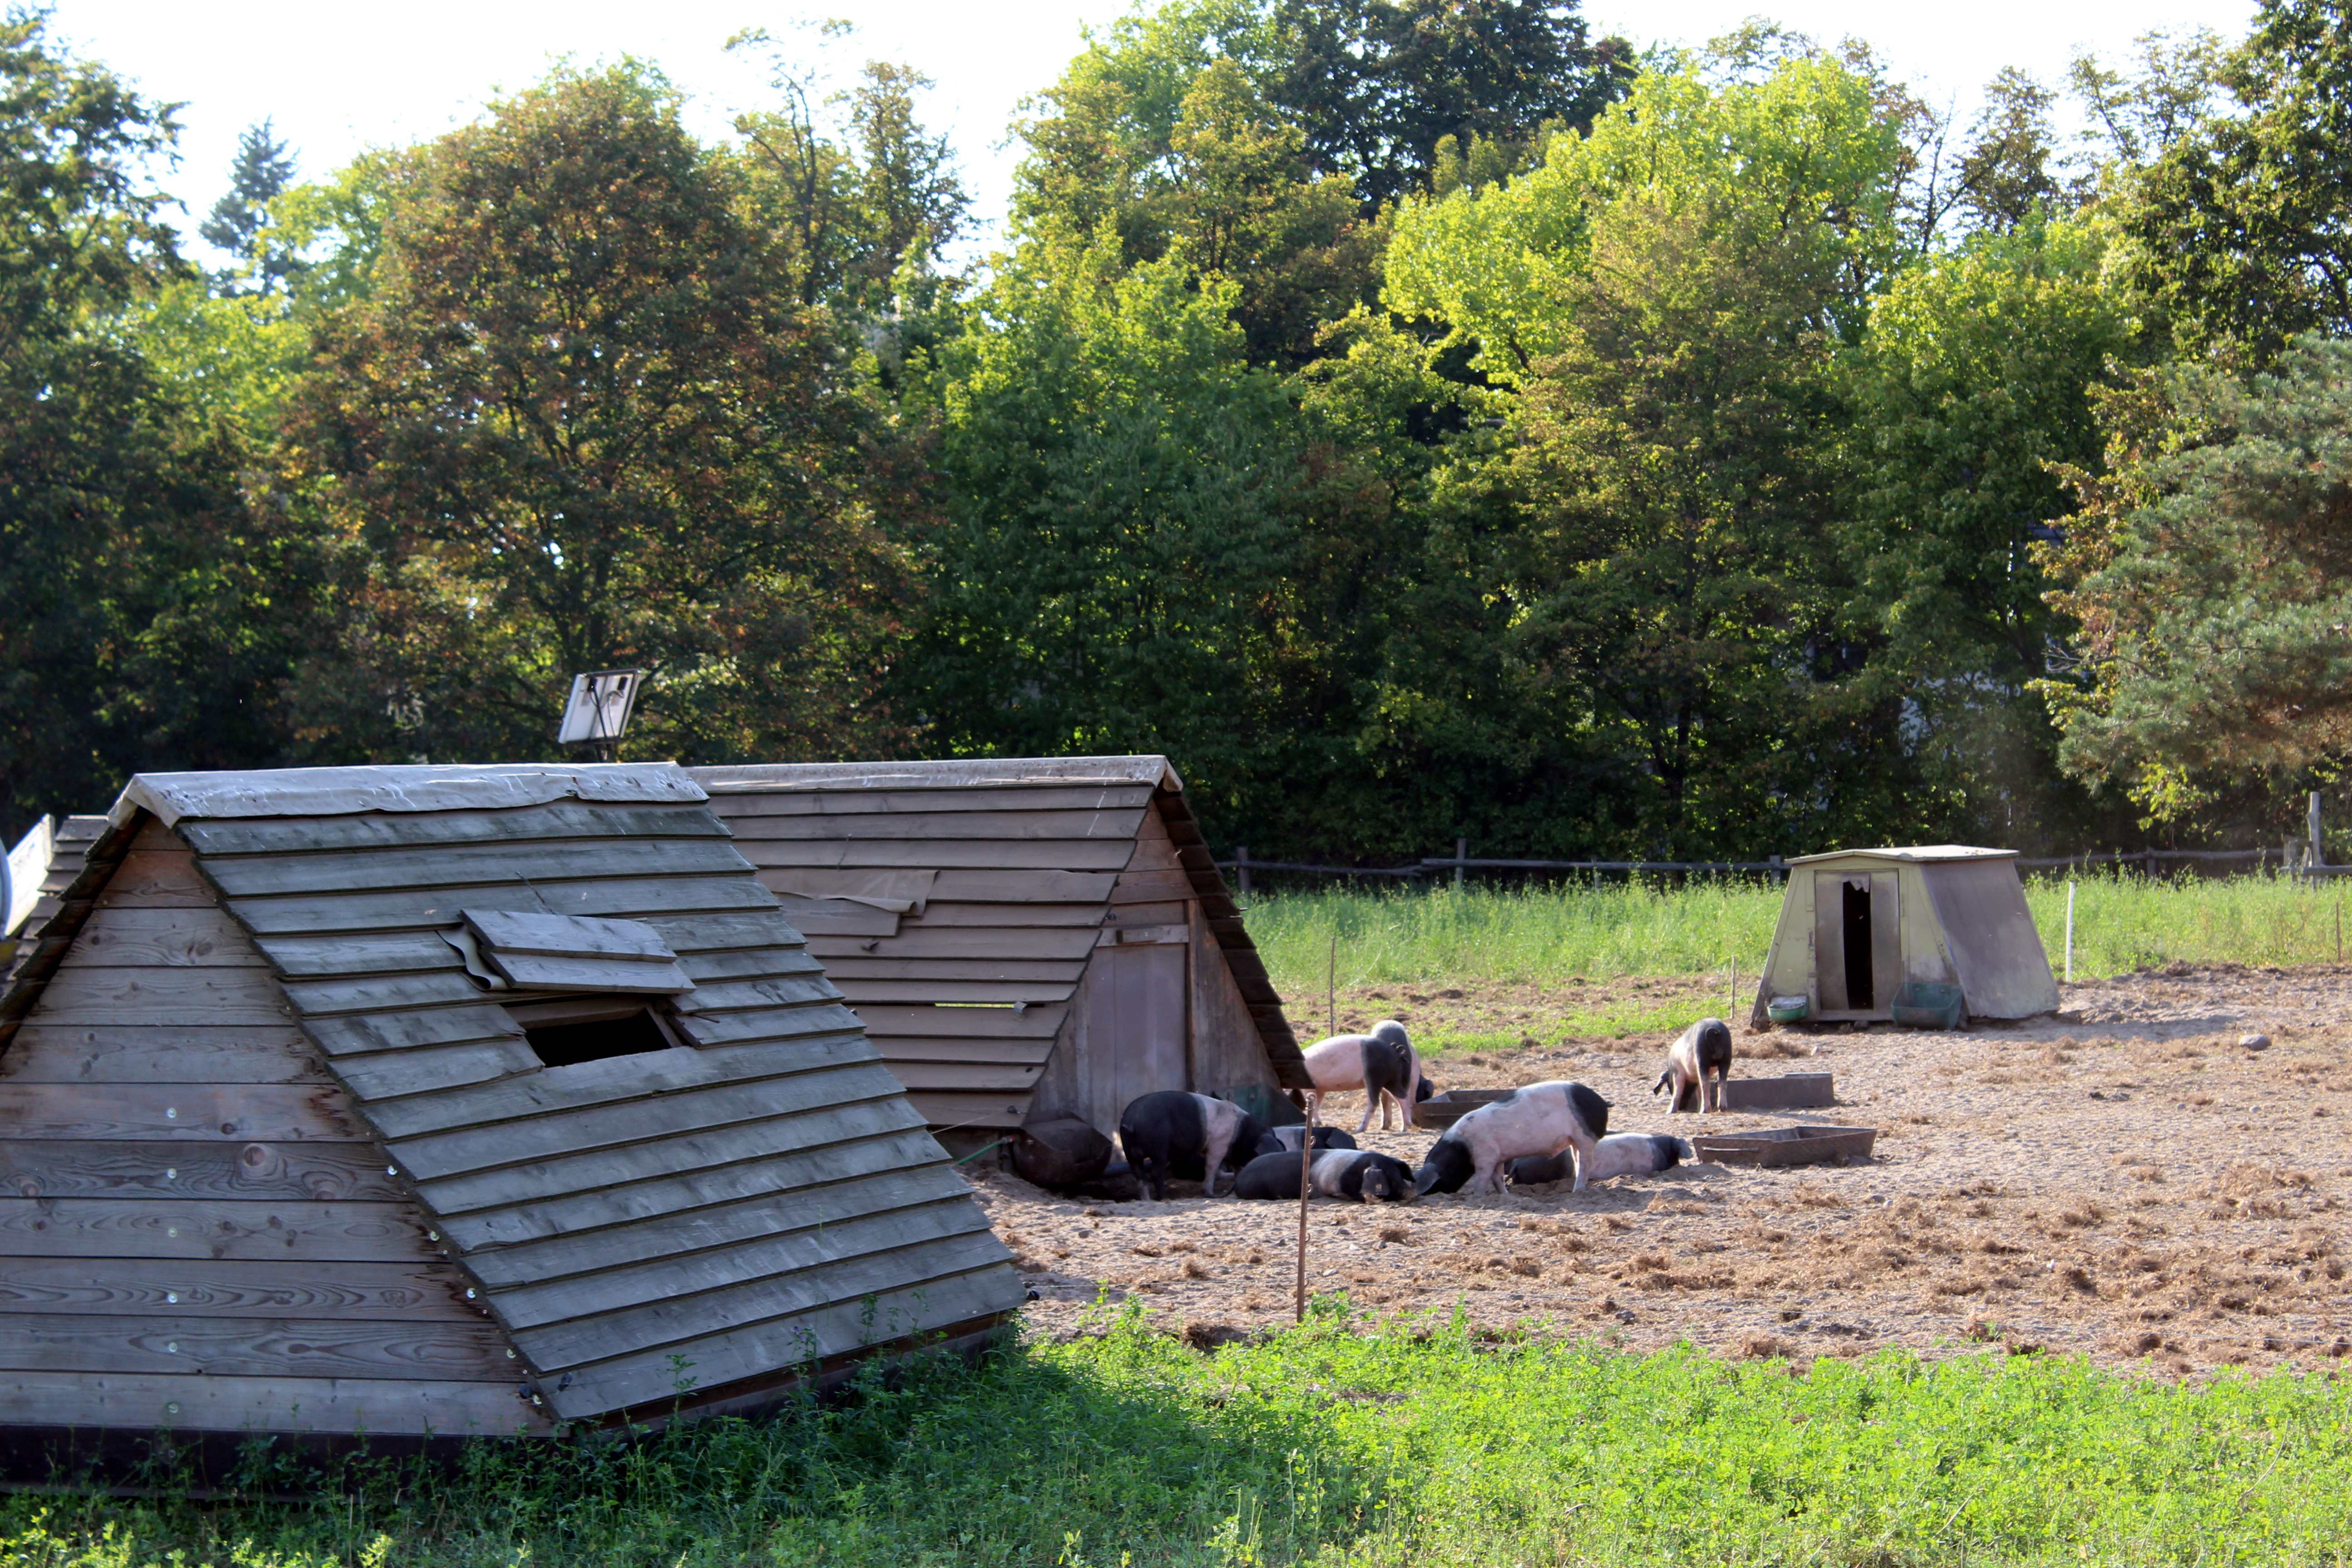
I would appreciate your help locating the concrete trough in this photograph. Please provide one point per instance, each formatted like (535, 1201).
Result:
(1442, 1110)
(1791, 1091)
(1807, 1144)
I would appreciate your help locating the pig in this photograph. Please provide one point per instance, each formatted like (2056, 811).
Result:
(1278, 1139)
(1703, 1052)
(1383, 1064)
(1541, 1119)
(1618, 1155)
(1335, 1173)
(1191, 1137)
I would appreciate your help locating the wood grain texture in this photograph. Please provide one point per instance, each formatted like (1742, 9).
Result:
(134, 1287)
(979, 1051)
(922, 940)
(357, 954)
(754, 804)
(157, 880)
(415, 1347)
(945, 914)
(161, 996)
(778, 1025)
(862, 969)
(649, 1077)
(380, 993)
(223, 1168)
(193, 1112)
(429, 1069)
(1002, 827)
(827, 1186)
(747, 996)
(569, 1193)
(948, 992)
(178, 937)
(750, 963)
(922, 1076)
(387, 909)
(994, 1111)
(978, 1023)
(616, 1309)
(288, 1231)
(637, 1122)
(1048, 854)
(189, 1403)
(579, 1277)
(721, 932)
(408, 1031)
(71, 1053)
(557, 820)
(345, 873)
(756, 1350)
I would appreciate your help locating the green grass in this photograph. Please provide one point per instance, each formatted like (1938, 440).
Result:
(1439, 936)
(1340, 1444)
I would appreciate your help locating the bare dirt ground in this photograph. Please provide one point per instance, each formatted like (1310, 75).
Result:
(2123, 1182)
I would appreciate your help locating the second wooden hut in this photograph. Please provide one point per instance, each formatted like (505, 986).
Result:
(1025, 938)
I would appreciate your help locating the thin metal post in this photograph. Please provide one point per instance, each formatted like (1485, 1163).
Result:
(1461, 854)
(1331, 986)
(2318, 856)
(2070, 933)
(1306, 1170)
(1241, 866)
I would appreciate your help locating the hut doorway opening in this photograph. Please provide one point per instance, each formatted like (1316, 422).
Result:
(1857, 942)
(1860, 993)
(568, 1033)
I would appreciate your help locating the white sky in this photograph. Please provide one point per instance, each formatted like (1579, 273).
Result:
(337, 80)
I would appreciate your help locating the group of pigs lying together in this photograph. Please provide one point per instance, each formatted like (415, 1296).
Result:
(1539, 1133)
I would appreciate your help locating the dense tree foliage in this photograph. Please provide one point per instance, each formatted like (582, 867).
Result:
(1417, 419)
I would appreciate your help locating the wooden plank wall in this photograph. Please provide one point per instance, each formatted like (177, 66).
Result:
(198, 1231)
(642, 1227)
(966, 999)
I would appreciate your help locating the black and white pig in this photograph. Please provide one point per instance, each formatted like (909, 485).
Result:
(1355, 1174)
(1704, 1052)
(1541, 1119)
(1618, 1155)
(1278, 1139)
(1383, 1064)
(1191, 1137)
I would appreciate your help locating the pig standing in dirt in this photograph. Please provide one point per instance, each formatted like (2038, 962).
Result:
(1170, 1133)
(1541, 1119)
(1383, 1064)
(1618, 1155)
(1704, 1052)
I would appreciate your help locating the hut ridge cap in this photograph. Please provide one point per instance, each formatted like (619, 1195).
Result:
(339, 792)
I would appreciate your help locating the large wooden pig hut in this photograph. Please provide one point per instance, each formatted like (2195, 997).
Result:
(1025, 938)
(433, 1100)
(1857, 925)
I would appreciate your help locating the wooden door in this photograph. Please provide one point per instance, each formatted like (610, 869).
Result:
(1139, 1040)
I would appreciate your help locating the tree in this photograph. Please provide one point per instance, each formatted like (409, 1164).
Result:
(1377, 85)
(1661, 305)
(580, 420)
(1979, 379)
(2006, 175)
(263, 171)
(848, 210)
(143, 627)
(2213, 581)
(2241, 231)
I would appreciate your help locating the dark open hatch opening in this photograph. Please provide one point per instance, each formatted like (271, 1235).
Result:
(1861, 994)
(567, 1031)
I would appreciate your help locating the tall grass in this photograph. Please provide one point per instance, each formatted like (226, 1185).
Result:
(1339, 1445)
(1547, 935)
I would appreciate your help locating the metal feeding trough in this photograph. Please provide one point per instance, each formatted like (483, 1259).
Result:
(1442, 1110)
(1801, 1145)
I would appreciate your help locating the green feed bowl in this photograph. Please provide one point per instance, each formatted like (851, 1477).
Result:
(1786, 1009)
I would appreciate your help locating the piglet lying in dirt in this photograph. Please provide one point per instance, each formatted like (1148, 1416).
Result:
(1704, 1052)
(1541, 1119)
(1336, 1173)
(1278, 1139)
(1170, 1133)
(1618, 1155)
(1383, 1064)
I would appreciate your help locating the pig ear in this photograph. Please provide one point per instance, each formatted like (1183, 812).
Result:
(1425, 1179)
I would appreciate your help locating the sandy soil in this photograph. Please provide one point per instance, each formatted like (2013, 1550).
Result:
(2123, 1181)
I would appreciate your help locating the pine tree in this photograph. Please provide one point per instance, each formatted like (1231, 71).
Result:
(264, 168)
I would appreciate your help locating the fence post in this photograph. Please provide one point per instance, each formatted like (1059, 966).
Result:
(1240, 867)
(2317, 856)
(1780, 871)
(1461, 854)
